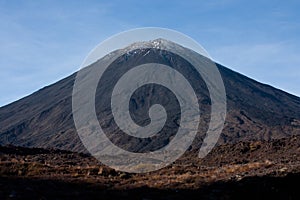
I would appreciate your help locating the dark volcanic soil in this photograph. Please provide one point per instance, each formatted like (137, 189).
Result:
(247, 170)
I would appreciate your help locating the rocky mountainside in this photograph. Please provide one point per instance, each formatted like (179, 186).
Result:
(255, 111)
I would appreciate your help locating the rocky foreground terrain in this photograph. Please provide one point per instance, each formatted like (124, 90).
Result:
(246, 170)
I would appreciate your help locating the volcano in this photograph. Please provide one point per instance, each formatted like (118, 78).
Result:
(255, 111)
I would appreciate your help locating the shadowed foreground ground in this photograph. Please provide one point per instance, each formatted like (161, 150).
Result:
(249, 188)
(248, 170)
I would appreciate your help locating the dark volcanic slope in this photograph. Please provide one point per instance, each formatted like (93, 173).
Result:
(255, 111)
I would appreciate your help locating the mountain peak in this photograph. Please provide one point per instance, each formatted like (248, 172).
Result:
(156, 44)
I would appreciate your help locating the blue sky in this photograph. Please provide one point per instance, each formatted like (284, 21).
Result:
(44, 41)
